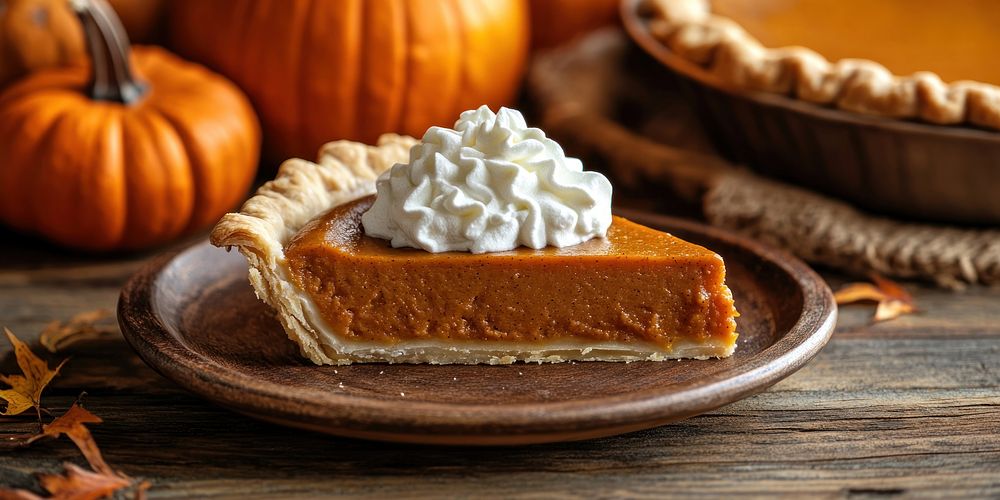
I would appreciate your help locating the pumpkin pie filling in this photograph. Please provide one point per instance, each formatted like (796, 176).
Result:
(955, 40)
(637, 285)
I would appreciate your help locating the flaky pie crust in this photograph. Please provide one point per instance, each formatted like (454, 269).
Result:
(346, 171)
(722, 47)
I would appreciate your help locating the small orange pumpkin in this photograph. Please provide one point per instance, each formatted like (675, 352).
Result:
(554, 22)
(36, 34)
(354, 69)
(99, 159)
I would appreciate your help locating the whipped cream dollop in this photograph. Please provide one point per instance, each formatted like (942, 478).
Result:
(491, 184)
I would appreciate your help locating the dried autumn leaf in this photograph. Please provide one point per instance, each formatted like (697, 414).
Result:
(859, 292)
(891, 288)
(76, 483)
(893, 301)
(58, 335)
(26, 390)
(73, 425)
(892, 309)
(67, 424)
(17, 495)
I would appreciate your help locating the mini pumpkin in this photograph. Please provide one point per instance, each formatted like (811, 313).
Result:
(102, 159)
(354, 69)
(36, 34)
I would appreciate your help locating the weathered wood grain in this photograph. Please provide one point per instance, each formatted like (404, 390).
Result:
(905, 408)
(777, 442)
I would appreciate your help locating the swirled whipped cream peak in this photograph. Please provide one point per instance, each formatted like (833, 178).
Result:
(491, 184)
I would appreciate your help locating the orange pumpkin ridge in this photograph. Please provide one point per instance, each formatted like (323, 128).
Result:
(107, 158)
(353, 69)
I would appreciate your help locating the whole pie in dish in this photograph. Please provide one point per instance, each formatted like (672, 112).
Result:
(344, 295)
(916, 59)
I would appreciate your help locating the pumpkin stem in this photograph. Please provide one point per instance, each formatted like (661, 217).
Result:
(111, 77)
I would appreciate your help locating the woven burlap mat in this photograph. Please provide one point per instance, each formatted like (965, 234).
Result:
(580, 92)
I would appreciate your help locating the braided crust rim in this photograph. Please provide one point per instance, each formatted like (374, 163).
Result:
(723, 48)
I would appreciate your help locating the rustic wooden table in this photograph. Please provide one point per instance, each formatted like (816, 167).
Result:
(910, 407)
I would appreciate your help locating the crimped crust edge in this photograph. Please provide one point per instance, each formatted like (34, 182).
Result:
(302, 190)
(723, 48)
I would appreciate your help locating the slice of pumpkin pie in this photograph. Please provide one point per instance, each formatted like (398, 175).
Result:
(482, 244)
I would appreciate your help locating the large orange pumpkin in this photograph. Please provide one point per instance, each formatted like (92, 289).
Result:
(100, 159)
(36, 34)
(554, 22)
(354, 69)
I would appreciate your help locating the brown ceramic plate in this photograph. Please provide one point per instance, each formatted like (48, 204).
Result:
(193, 317)
(908, 169)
